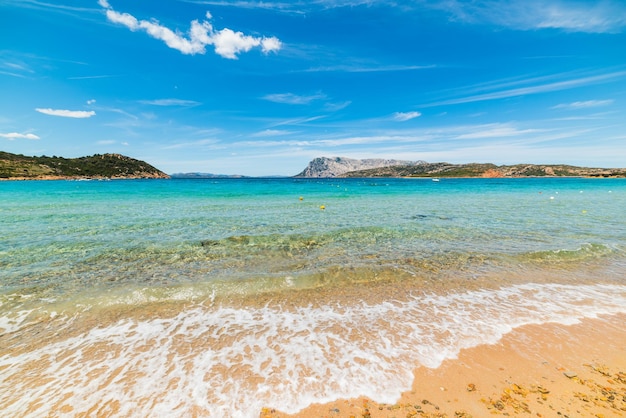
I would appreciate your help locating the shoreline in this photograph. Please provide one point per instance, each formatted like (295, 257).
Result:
(85, 178)
(546, 370)
(70, 178)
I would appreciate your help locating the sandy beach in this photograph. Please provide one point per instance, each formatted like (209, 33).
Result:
(547, 370)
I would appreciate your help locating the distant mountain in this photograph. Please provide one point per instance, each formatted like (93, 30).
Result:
(205, 176)
(338, 166)
(487, 170)
(112, 166)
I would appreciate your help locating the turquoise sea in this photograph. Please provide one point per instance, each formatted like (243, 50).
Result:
(177, 298)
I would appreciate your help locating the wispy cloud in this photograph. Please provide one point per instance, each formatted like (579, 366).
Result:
(50, 6)
(607, 16)
(112, 142)
(404, 116)
(171, 102)
(532, 89)
(334, 107)
(584, 104)
(10, 74)
(13, 68)
(242, 4)
(27, 65)
(464, 135)
(78, 114)
(90, 77)
(203, 143)
(496, 131)
(271, 133)
(295, 7)
(290, 98)
(227, 43)
(327, 142)
(18, 67)
(297, 121)
(355, 68)
(15, 135)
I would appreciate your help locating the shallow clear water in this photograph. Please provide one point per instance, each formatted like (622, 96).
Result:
(182, 297)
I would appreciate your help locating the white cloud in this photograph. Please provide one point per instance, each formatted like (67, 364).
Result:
(14, 135)
(271, 44)
(78, 114)
(90, 102)
(584, 104)
(227, 43)
(290, 98)
(404, 116)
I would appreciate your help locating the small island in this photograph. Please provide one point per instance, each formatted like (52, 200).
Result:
(98, 166)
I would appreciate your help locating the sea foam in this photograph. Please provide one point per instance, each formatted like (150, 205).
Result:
(227, 361)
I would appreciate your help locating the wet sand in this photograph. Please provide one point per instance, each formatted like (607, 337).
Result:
(546, 370)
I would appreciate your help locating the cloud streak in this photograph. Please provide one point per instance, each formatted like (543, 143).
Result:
(369, 69)
(607, 16)
(171, 102)
(77, 114)
(271, 133)
(290, 98)
(529, 90)
(226, 42)
(584, 105)
(404, 116)
(14, 135)
(497, 131)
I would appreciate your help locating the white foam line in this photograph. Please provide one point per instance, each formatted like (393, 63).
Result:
(232, 362)
(14, 321)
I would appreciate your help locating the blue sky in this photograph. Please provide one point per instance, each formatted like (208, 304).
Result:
(262, 87)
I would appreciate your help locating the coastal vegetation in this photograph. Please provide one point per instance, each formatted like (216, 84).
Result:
(17, 166)
(344, 167)
(487, 170)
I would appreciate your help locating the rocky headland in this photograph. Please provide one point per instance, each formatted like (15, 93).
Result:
(339, 166)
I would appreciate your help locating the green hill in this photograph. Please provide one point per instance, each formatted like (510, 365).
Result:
(15, 166)
(424, 169)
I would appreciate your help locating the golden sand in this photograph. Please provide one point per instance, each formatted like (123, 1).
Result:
(535, 371)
